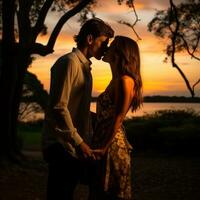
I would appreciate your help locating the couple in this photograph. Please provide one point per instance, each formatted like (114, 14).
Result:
(69, 140)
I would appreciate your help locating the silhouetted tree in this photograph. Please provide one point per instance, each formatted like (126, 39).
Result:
(34, 97)
(22, 22)
(181, 26)
(18, 44)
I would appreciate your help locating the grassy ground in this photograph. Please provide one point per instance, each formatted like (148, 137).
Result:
(155, 177)
(30, 136)
(170, 175)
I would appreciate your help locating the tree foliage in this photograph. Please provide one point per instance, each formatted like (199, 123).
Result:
(180, 25)
(21, 22)
(34, 98)
(188, 34)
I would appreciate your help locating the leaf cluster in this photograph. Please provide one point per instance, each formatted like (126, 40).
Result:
(164, 23)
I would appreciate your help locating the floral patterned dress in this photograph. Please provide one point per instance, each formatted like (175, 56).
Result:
(114, 171)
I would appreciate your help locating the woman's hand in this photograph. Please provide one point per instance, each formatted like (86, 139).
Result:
(99, 153)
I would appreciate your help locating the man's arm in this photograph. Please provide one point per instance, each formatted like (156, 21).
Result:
(63, 75)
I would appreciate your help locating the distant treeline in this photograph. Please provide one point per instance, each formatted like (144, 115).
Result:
(157, 98)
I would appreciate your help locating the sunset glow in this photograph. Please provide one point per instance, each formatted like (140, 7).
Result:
(159, 78)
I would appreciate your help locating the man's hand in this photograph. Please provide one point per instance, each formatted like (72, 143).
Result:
(99, 153)
(87, 152)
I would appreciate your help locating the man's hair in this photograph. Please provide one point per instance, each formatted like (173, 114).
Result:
(95, 27)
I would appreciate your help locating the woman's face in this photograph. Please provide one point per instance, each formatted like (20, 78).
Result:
(109, 55)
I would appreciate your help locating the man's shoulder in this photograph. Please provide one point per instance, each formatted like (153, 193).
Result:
(66, 60)
(70, 57)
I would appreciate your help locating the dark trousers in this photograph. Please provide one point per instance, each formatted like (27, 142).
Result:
(63, 173)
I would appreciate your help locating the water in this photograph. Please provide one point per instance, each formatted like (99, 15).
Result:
(149, 108)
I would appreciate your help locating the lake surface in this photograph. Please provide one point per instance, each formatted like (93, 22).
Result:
(149, 108)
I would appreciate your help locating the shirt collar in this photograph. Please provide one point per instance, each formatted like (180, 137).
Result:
(82, 58)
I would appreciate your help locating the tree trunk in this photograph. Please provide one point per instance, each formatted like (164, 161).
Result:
(191, 90)
(8, 84)
(16, 59)
(7, 78)
(12, 76)
(22, 65)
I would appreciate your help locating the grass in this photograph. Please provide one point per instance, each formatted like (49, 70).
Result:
(166, 131)
(156, 175)
(30, 135)
(30, 140)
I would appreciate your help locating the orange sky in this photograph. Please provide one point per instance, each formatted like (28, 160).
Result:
(158, 78)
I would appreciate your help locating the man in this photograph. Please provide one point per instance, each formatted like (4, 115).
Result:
(67, 127)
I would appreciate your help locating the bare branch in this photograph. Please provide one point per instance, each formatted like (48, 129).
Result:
(45, 50)
(173, 40)
(23, 109)
(188, 49)
(197, 44)
(27, 110)
(132, 26)
(41, 49)
(63, 20)
(195, 84)
(136, 15)
(174, 32)
(43, 13)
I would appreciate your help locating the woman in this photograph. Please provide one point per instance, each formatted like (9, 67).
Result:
(112, 178)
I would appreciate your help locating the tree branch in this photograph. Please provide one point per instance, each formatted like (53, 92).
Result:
(175, 32)
(44, 50)
(173, 39)
(195, 84)
(23, 108)
(188, 49)
(63, 20)
(132, 26)
(41, 49)
(40, 22)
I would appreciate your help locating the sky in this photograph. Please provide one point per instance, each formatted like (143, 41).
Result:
(159, 78)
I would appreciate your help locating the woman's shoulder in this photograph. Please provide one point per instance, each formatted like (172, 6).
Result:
(124, 83)
(126, 80)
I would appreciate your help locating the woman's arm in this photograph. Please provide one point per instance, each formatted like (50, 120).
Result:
(124, 94)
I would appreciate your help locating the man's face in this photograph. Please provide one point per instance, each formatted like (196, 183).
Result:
(98, 47)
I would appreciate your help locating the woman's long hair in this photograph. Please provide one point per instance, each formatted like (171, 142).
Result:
(128, 55)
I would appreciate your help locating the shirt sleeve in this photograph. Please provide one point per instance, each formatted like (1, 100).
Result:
(63, 74)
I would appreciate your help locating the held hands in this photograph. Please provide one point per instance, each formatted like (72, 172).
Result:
(99, 153)
(87, 151)
(95, 154)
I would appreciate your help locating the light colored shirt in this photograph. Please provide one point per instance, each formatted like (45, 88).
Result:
(68, 118)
